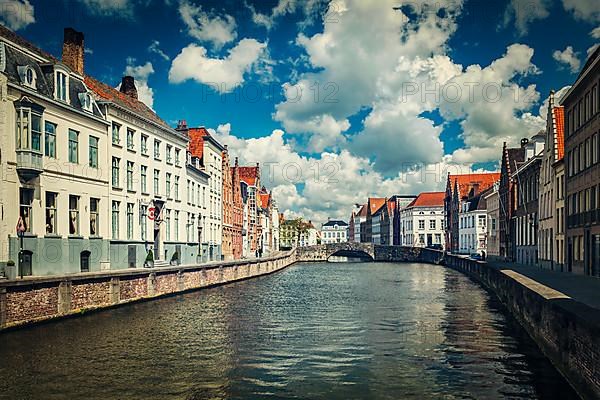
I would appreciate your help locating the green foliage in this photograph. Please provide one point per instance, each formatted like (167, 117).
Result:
(150, 256)
(10, 263)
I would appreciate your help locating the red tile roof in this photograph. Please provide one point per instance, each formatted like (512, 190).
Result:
(429, 199)
(467, 181)
(559, 117)
(375, 203)
(196, 144)
(264, 199)
(249, 175)
(108, 93)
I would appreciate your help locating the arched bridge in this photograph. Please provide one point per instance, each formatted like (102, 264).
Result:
(375, 252)
(322, 252)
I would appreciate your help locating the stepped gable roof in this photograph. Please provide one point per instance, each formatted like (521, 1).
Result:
(559, 130)
(249, 175)
(106, 92)
(429, 199)
(464, 183)
(375, 203)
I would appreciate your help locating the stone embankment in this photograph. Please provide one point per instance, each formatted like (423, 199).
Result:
(36, 299)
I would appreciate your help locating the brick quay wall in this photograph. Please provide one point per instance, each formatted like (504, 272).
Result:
(38, 299)
(567, 331)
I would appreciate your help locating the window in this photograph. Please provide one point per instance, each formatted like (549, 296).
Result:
(61, 86)
(177, 152)
(129, 221)
(94, 217)
(421, 224)
(176, 187)
(29, 129)
(85, 99)
(421, 239)
(144, 144)
(50, 140)
(143, 221)
(168, 223)
(130, 138)
(432, 224)
(130, 176)
(116, 133)
(73, 215)
(156, 182)
(156, 149)
(176, 225)
(51, 213)
(93, 152)
(144, 173)
(481, 220)
(168, 151)
(73, 146)
(28, 76)
(115, 219)
(115, 171)
(26, 200)
(168, 185)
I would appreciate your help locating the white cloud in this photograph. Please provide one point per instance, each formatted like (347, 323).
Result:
(111, 8)
(595, 33)
(208, 27)
(587, 10)
(569, 58)
(524, 12)
(155, 48)
(141, 73)
(309, 8)
(16, 14)
(224, 74)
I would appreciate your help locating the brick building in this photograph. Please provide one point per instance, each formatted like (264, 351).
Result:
(582, 169)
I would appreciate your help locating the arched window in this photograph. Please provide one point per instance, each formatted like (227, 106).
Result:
(84, 261)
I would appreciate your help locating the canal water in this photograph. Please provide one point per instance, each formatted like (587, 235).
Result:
(313, 331)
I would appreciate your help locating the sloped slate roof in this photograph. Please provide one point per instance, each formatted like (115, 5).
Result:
(335, 222)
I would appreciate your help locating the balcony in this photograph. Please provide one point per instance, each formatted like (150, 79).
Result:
(29, 163)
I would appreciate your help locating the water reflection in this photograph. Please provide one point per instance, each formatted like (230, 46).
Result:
(324, 331)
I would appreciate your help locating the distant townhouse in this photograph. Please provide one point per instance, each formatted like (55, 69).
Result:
(357, 224)
(371, 224)
(334, 231)
(250, 181)
(396, 204)
(511, 158)
(473, 220)
(237, 212)
(204, 148)
(458, 188)
(582, 168)
(422, 221)
(53, 170)
(227, 207)
(492, 201)
(269, 221)
(525, 218)
(551, 242)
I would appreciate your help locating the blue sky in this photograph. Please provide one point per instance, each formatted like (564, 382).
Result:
(364, 134)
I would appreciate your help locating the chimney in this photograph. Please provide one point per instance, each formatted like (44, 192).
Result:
(128, 87)
(73, 50)
(181, 125)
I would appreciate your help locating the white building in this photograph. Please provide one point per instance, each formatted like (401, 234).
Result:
(422, 221)
(334, 231)
(53, 170)
(472, 225)
(492, 201)
(309, 237)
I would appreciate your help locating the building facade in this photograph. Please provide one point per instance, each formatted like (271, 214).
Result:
(511, 158)
(54, 155)
(250, 177)
(334, 231)
(492, 201)
(551, 198)
(525, 219)
(582, 169)
(473, 220)
(422, 221)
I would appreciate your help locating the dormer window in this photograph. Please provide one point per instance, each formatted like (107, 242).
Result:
(86, 101)
(28, 76)
(62, 86)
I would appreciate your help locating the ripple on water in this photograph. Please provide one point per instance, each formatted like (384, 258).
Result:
(324, 331)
